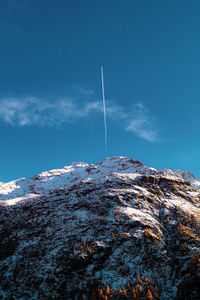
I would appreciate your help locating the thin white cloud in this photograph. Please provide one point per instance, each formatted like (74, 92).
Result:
(142, 123)
(42, 112)
(34, 111)
(85, 92)
(138, 120)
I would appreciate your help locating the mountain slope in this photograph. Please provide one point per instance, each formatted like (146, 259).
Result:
(114, 230)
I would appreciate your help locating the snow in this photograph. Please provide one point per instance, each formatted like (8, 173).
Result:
(166, 212)
(69, 176)
(16, 200)
(100, 243)
(138, 215)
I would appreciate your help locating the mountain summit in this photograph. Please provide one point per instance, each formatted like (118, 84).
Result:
(111, 230)
(65, 178)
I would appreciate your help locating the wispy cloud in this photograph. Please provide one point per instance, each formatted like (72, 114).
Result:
(137, 119)
(142, 123)
(35, 111)
(43, 112)
(86, 92)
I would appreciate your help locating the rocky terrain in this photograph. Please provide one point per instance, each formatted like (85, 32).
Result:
(112, 230)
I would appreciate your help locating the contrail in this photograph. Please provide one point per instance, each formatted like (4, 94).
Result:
(104, 109)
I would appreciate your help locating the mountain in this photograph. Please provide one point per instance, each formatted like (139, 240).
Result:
(112, 230)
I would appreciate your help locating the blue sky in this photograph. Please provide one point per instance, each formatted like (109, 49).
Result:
(50, 85)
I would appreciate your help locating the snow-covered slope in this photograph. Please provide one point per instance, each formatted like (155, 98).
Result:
(111, 230)
(68, 176)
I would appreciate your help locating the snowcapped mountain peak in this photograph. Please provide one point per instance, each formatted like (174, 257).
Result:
(185, 174)
(119, 160)
(66, 177)
(78, 164)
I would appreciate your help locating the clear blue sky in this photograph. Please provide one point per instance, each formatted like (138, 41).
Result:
(50, 86)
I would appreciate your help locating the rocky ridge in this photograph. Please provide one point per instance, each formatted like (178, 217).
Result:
(112, 230)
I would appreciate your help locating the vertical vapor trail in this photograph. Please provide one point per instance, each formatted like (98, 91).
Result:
(104, 109)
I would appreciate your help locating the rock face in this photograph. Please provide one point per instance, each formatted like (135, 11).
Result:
(113, 230)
